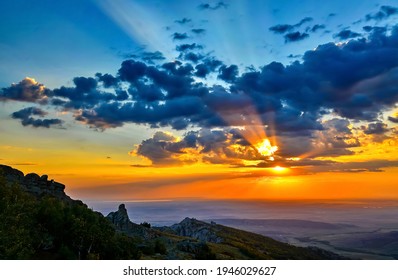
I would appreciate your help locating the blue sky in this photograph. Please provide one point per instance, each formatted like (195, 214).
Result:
(55, 41)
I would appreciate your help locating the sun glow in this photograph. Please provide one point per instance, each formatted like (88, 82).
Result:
(279, 169)
(265, 148)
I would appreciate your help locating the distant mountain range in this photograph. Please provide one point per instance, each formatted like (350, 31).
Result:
(39, 221)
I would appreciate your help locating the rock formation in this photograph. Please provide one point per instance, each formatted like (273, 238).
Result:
(120, 219)
(33, 183)
(196, 229)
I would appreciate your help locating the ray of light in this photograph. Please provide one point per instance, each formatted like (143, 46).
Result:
(141, 25)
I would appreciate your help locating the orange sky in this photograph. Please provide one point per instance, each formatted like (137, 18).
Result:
(93, 169)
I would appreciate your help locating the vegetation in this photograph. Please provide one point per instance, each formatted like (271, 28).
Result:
(48, 228)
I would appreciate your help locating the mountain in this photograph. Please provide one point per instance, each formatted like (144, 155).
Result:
(39, 221)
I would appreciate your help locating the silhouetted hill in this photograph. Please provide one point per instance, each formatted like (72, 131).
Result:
(39, 221)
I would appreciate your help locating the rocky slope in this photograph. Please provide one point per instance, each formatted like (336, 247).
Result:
(33, 183)
(230, 243)
(39, 221)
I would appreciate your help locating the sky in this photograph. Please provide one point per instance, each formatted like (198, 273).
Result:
(126, 99)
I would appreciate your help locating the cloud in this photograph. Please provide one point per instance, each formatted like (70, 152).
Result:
(152, 57)
(295, 36)
(149, 57)
(283, 28)
(208, 66)
(25, 115)
(316, 27)
(207, 6)
(350, 83)
(209, 146)
(180, 36)
(228, 74)
(384, 13)
(198, 31)
(183, 21)
(190, 56)
(304, 20)
(376, 128)
(188, 47)
(347, 34)
(27, 90)
(393, 119)
(355, 167)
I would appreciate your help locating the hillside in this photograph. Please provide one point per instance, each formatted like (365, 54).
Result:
(39, 221)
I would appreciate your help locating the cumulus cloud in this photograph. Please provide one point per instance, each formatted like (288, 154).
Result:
(217, 146)
(376, 128)
(295, 36)
(180, 36)
(383, 13)
(25, 115)
(347, 34)
(354, 81)
(27, 90)
(188, 47)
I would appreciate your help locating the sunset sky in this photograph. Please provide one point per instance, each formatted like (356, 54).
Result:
(128, 100)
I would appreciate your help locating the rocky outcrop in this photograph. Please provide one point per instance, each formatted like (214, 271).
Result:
(33, 183)
(196, 229)
(120, 219)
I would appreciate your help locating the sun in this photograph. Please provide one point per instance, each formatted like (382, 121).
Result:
(265, 148)
(279, 169)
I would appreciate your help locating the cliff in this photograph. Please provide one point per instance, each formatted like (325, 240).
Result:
(33, 183)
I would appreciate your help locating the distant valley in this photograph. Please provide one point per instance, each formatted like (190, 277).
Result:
(352, 241)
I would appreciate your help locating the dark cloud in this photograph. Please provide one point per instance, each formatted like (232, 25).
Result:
(393, 119)
(207, 6)
(375, 29)
(304, 20)
(347, 34)
(295, 36)
(27, 90)
(183, 21)
(353, 81)
(384, 13)
(228, 74)
(190, 56)
(376, 128)
(316, 27)
(107, 80)
(212, 146)
(355, 167)
(25, 115)
(198, 31)
(180, 36)
(149, 57)
(152, 57)
(27, 112)
(281, 28)
(188, 47)
(208, 66)
(84, 94)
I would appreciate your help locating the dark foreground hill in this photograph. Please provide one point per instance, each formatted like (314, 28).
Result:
(39, 221)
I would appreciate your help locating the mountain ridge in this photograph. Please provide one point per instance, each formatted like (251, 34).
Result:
(54, 226)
